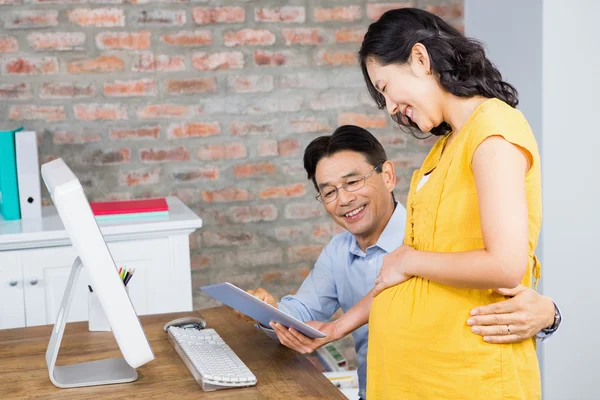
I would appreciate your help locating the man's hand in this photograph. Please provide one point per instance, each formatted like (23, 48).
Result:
(262, 295)
(515, 319)
(297, 341)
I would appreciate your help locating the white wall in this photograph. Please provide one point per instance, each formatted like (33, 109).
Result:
(571, 176)
(550, 50)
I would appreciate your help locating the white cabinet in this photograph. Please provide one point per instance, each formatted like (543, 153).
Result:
(11, 292)
(35, 267)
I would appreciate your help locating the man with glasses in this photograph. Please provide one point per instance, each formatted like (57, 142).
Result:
(354, 182)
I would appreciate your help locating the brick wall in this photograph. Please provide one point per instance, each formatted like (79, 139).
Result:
(212, 101)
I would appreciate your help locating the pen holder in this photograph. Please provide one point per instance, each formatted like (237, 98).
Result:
(97, 318)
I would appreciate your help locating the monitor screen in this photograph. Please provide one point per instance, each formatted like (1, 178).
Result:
(76, 214)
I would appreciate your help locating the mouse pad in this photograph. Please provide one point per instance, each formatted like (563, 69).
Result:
(256, 309)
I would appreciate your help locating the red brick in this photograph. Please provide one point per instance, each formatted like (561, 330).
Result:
(31, 112)
(247, 128)
(100, 112)
(349, 35)
(304, 253)
(245, 37)
(97, 17)
(200, 261)
(56, 90)
(396, 140)
(212, 15)
(156, 111)
(199, 85)
(294, 170)
(187, 196)
(161, 155)
(149, 132)
(220, 238)
(225, 151)
(325, 231)
(271, 105)
(305, 36)
(408, 161)
(289, 233)
(335, 58)
(336, 100)
(59, 2)
(304, 210)
(288, 147)
(280, 192)
(58, 41)
(63, 137)
(218, 61)
(363, 120)
(139, 177)
(157, 1)
(250, 83)
(24, 19)
(348, 13)
(131, 88)
(123, 40)
(254, 169)
(195, 175)
(100, 64)
(226, 195)
(159, 18)
(15, 91)
(30, 66)
(305, 80)
(283, 14)
(267, 148)
(374, 11)
(100, 157)
(188, 38)
(447, 11)
(194, 129)
(150, 62)
(288, 58)
(247, 214)
(310, 125)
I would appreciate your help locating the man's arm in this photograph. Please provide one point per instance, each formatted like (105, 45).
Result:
(525, 315)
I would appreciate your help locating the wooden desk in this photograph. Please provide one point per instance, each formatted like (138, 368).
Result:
(281, 372)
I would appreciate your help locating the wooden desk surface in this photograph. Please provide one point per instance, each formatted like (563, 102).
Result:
(281, 372)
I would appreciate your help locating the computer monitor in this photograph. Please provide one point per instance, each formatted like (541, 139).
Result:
(93, 254)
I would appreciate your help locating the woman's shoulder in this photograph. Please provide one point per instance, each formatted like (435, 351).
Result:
(497, 115)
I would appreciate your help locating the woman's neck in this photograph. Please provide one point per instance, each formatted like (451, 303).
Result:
(457, 110)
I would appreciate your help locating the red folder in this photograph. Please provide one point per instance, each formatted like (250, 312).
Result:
(129, 206)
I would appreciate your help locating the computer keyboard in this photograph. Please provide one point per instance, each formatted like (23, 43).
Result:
(210, 360)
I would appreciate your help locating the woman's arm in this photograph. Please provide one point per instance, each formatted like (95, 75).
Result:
(499, 168)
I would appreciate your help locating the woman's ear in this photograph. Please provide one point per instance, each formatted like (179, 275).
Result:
(421, 63)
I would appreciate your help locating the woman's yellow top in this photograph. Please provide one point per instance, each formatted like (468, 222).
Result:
(420, 346)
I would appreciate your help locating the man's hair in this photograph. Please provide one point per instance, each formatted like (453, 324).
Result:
(345, 138)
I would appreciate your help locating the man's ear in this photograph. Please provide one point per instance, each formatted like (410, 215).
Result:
(389, 175)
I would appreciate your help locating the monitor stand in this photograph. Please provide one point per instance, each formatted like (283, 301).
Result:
(92, 373)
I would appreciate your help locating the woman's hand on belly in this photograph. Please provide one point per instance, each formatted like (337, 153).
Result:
(393, 269)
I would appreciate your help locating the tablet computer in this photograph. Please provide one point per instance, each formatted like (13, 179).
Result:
(256, 309)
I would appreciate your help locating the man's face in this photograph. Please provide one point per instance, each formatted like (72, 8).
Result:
(363, 212)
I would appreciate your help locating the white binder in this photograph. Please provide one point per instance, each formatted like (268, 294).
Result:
(28, 174)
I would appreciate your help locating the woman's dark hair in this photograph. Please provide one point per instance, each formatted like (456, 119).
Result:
(458, 62)
(346, 137)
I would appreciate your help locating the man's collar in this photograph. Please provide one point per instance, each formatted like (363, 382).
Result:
(392, 236)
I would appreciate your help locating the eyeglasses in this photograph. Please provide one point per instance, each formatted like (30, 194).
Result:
(329, 193)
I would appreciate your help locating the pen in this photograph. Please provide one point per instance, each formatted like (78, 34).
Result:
(129, 277)
(126, 276)
(89, 287)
